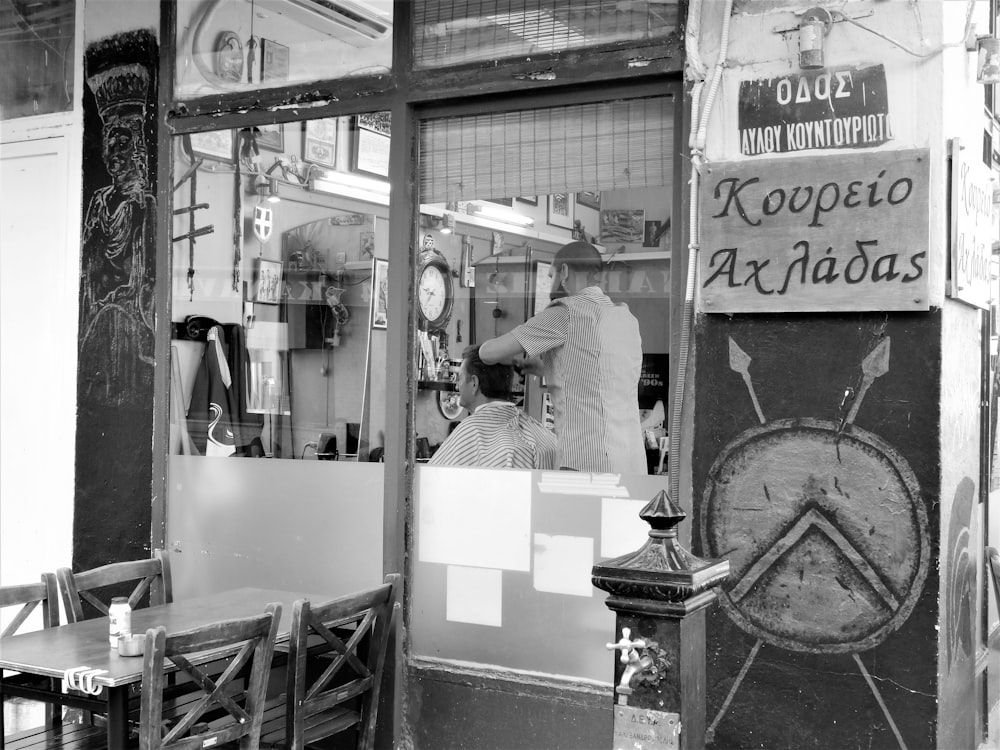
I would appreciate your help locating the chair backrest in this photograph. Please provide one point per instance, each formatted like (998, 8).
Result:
(151, 576)
(29, 596)
(231, 707)
(350, 634)
(993, 559)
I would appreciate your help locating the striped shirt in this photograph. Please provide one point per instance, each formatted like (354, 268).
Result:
(592, 354)
(498, 435)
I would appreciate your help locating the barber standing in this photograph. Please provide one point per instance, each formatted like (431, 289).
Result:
(591, 356)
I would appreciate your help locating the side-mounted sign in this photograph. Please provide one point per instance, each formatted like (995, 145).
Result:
(973, 224)
(846, 232)
(845, 107)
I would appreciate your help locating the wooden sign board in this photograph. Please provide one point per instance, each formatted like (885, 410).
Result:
(973, 216)
(846, 232)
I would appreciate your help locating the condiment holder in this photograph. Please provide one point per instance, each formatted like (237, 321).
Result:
(132, 644)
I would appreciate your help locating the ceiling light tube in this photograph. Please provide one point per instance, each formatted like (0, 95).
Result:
(498, 213)
(352, 186)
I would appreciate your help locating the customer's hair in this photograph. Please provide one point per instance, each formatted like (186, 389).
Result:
(580, 256)
(494, 380)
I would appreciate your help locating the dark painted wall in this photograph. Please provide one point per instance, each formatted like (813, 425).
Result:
(825, 635)
(115, 378)
(451, 708)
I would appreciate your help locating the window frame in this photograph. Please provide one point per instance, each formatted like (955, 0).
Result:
(577, 76)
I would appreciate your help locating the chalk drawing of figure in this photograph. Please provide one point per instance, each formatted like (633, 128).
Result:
(116, 349)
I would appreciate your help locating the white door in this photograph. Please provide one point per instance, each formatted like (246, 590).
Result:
(39, 270)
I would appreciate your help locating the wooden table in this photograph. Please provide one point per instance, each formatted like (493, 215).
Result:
(51, 651)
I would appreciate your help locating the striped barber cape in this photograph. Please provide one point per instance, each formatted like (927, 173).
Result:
(498, 435)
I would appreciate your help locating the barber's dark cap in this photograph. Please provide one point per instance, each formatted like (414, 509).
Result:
(579, 253)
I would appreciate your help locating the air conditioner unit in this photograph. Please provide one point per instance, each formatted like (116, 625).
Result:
(346, 20)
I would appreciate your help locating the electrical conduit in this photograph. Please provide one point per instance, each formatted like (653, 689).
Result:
(699, 132)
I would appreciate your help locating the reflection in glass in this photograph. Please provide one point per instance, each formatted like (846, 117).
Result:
(37, 56)
(239, 45)
(275, 349)
(455, 33)
(606, 181)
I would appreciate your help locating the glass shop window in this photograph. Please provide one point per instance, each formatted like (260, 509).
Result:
(37, 56)
(453, 32)
(280, 248)
(502, 193)
(243, 45)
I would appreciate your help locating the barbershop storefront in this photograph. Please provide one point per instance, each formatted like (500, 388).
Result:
(349, 197)
(297, 215)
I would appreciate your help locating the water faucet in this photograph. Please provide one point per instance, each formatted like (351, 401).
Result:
(631, 658)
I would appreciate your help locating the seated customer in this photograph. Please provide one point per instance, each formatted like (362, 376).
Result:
(496, 434)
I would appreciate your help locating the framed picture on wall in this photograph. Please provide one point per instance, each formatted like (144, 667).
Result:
(371, 143)
(531, 200)
(271, 137)
(268, 281)
(560, 210)
(216, 144)
(319, 146)
(380, 293)
(273, 61)
(589, 199)
(622, 225)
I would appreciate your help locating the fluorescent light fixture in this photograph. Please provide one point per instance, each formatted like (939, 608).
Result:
(350, 21)
(540, 29)
(499, 213)
(352, 186)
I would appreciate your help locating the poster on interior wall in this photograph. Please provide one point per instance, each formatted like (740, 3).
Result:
(622, 225)
(973, 215)
(843, 232)
(371, 144)
(846, 107)
(319, 146)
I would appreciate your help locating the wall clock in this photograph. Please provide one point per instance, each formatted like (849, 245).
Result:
(435, 292)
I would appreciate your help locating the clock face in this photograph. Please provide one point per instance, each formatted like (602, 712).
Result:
(432, 294)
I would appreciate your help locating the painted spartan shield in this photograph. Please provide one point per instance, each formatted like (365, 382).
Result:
(825, 531)
(262, 223)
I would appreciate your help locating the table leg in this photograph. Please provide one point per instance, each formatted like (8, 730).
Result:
(118, 718)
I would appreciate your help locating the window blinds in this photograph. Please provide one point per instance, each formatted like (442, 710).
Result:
(450, 32)
(606, 146)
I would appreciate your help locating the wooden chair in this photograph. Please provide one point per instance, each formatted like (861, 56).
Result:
(152, 577)
(347, 637)
(993, 559)
(29, 597)
(230, 709)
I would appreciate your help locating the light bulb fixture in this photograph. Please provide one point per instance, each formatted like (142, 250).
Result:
(814, 25)
(499, 213)
(267, 188)
(445, 223)
(987, 60)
